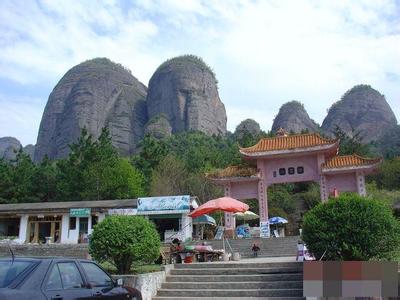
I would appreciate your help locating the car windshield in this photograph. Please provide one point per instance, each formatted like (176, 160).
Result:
(9, 270)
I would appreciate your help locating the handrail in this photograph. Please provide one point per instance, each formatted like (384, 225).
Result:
(181, 229)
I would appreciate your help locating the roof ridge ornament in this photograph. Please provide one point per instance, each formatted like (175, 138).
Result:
(281, 132)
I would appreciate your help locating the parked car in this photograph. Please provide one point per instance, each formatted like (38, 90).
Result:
(59, 279)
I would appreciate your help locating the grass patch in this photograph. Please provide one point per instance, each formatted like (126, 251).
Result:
(134, 269)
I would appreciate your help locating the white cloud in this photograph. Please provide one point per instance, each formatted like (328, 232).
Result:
(264, 52)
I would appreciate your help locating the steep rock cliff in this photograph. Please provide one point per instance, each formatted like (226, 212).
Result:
(184, 89)
(293, 117)
(93, 94)
(361, 109)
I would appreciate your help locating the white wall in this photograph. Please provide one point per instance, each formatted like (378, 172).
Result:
(69, 236)
(101, 217)
(23, 227)
(187, 227)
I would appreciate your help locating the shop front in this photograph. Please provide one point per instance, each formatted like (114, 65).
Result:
(9, 227)
(170, 215)
(73, 222)
(44, 229)
(55, 222)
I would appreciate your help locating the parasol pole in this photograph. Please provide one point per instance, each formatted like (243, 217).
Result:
(223, 235)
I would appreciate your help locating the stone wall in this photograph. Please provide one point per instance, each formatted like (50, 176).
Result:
(65, 250)
(148, 283)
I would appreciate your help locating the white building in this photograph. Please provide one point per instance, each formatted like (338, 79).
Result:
(72, 222)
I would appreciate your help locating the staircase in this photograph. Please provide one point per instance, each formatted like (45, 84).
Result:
(233, 280)
(273, 247)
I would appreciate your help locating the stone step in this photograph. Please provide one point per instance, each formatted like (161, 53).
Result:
(238, 265)
(236, 271)
(261, 255)
(209, 293)
(227, 298)
(235, 278)
(273, 242)
(233, 285)
(245, 246)
(267, 246)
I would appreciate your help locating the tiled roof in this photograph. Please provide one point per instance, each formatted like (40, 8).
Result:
(117, 203)
(344, 161)
(233, 171)
(289, 142)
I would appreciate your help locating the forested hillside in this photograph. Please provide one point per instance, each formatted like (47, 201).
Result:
(171, 166)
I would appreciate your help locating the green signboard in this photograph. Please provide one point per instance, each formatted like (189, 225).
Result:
(79, 212)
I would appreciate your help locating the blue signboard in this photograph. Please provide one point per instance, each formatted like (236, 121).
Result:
(162, 205)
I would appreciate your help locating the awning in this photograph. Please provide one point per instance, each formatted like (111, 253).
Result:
(204, 219)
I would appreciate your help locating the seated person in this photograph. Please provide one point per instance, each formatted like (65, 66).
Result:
(175, 247)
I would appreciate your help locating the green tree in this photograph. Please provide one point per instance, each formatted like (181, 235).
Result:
(311, 196)
(99, 167)
(124, 241)
(169, 177)
(388, 176)
(198, 185)
(389, 143)
(44, 180)
(351, 143)
(70, 175)
(6, 182)
(94, 171)
(279, 196)
(22, 174)
(201, 153)
(352, 227)
(122, 181)
(151, 153)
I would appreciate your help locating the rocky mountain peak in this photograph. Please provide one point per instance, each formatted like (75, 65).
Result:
(293, 117)
(94, 94)
(361, 109)
(9, 146)
(248, 126)
(184, 89)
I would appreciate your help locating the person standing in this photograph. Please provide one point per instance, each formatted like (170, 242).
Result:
(255, 250)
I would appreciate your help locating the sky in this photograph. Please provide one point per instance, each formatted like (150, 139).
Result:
(264, 53)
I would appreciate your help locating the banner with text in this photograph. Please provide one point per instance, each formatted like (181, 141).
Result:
(162, 205)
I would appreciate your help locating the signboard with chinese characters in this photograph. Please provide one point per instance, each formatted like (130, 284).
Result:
(264, 229)
(219, 233)
(162, 205)
(122, 211)
(79, 212)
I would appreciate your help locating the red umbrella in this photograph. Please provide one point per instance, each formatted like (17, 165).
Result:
(226, 204)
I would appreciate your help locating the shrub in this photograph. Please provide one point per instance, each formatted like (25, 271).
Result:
(123, 241)
(352, 227)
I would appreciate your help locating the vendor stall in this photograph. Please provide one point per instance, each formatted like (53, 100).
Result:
(170, 215)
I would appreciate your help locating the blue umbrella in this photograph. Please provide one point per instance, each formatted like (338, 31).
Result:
(277, 220)
(204, 219)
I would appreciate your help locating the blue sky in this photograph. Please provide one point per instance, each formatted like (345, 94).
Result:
(264, 53)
